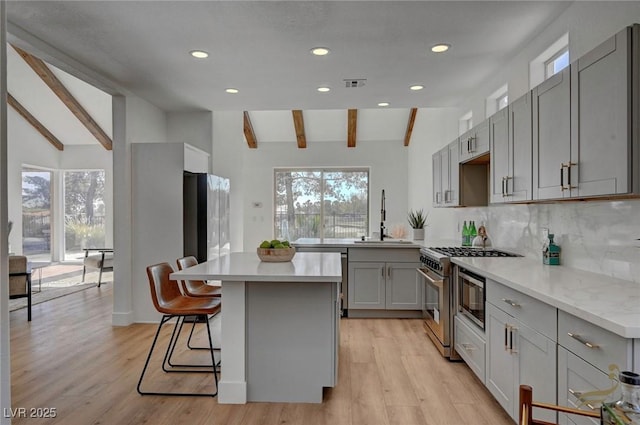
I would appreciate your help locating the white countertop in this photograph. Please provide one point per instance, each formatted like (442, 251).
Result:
(246, 266)
(610, 303)
(355, 243)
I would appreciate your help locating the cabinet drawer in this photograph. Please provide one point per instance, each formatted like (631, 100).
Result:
(594, 344)
(577, 377)
(536, 314)
(411, 255)
(471, 347)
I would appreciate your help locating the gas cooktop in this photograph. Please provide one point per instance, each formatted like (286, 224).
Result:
(462, 251)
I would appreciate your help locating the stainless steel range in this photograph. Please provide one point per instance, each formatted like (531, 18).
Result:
(439, 302)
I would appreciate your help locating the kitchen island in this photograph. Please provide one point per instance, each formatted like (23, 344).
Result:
(279, 325)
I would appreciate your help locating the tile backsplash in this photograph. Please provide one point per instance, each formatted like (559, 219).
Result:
(597, 236)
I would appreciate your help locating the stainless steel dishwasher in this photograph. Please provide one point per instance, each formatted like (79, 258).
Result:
(344, 286)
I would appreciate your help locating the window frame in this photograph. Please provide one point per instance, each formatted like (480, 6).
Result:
(549, 65)
(322, 171)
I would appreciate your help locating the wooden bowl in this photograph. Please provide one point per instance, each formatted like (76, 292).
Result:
(276, 255)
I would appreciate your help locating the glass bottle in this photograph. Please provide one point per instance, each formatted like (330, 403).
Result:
(472, 232)
(465, 234)
(627, 409)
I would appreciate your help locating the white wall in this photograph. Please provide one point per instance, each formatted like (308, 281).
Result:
(134, 120)
(433, 129)
(598, 236)
(193, 128)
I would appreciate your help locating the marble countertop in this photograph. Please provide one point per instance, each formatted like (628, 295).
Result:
(354, 243)
(246, 266)
(610, 303)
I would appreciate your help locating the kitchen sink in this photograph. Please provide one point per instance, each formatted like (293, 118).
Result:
(384, 242)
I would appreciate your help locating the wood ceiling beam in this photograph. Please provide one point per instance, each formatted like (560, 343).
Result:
(249, 134)
(352, 125)
(298, 123)
(412, 120)
(40, 128)
(66, 97)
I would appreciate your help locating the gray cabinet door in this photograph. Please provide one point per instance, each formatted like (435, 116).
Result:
(453, 196)
(500, 364)
(403, 287)
(601, 117)
(518, 184)
(437, 179)
(551, 137)
(367, 285)
(500, 155)
(536, 366)
(474, 142)
(444, 176)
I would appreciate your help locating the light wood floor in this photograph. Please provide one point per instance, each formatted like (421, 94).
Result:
(70, 358)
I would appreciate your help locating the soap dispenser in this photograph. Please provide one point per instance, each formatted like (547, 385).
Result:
(551, 252)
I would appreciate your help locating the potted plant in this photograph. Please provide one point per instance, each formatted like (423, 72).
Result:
(417, 221)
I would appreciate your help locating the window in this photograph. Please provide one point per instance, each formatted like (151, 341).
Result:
(497, 100)
(466, 122)
(557, 63)
(36, 214)
(84, 212)
(551, 61)
(321, 203)
(502, 102)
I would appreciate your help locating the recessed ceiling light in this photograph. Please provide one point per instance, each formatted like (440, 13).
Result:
(324, 89)
(232, 90)
(320, 51)
(416, 87)
(440, 48)
(199, 54)
(383, 104)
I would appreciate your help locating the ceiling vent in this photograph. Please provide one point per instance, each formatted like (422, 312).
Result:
(351, 83)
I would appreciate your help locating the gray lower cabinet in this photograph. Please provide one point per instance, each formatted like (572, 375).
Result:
(384, 286)
(470, 345)
(587, 355)
(384, 279)
(518, 354)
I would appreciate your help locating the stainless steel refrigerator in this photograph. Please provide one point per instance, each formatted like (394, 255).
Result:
(206, 216)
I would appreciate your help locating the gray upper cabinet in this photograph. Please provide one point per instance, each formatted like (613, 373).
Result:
(601, 92)
(585, 132)
(446, 176)
(511, 150)
(501, 157)
(474, 143)
(552, 137)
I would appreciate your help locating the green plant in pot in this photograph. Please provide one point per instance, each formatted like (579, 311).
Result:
(418, 221)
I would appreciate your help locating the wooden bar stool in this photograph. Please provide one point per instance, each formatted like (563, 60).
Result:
(168, 300)
(527, 404)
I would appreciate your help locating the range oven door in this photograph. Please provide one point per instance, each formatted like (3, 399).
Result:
(435, 308)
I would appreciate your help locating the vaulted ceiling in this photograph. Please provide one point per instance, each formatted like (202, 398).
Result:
(262, 48)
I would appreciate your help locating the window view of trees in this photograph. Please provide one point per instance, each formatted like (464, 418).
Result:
(36, 213)
(84, 211)
(315, 203)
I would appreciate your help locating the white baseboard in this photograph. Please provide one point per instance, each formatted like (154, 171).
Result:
(232, 392)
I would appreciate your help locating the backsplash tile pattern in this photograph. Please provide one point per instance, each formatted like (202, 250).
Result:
(597, 236)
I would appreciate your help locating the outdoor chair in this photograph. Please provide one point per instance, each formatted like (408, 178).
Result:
(20, 280)
(102, 260)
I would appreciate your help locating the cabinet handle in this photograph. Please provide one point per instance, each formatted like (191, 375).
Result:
(506, 185)
(569, 165)
(382, 272)
(511, 302)
(468, 347)
(562, 177)
(511, 329)
(389, 272)
(469, 145)
(582, 341)
(506, 336)
(503, 187)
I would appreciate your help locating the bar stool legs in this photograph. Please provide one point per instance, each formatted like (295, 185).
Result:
(172, 342)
